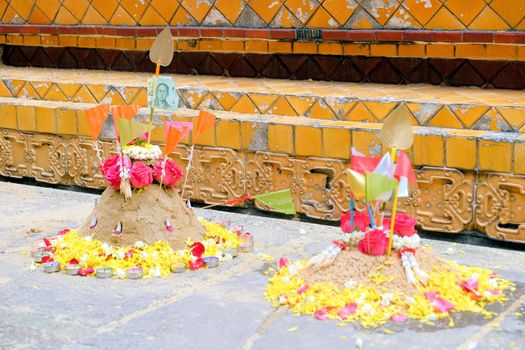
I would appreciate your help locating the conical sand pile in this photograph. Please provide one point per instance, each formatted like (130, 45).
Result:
(143, 218)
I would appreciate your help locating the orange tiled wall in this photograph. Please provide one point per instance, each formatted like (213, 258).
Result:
(500, 15)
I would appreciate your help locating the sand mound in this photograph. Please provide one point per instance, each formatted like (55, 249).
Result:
(362, 269)
(143, 218)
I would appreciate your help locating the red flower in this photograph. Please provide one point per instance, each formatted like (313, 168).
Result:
(197, 249)
(140, 175)
(46, 259)
(63, 232)
(73, 262)
(47, 242)
(111, 170)
(172, 172)
(283, 262)
(340, 244)
(374, 243)
(196, 264)
(361, 221)
(405, 225)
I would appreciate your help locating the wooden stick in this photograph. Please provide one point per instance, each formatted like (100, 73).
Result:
(152, 107)
(187, 171)
(394, 208)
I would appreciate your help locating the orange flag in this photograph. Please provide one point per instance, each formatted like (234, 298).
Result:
(124, 112)
(96, 117)
(173, 139)
(205, 121)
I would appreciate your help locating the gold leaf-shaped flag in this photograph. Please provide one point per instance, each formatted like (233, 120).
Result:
(397, 131)
(357, 184)
(161, 51)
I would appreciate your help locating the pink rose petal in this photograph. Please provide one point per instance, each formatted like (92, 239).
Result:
(442, 305)
(399, 318)
(321, 315)
(347, 310)
(302, 289)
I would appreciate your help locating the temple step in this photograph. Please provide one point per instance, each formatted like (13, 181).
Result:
(431, 106)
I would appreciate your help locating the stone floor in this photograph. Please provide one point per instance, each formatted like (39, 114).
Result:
(221, 308)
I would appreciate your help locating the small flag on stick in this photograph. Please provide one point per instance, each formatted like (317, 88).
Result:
(185, 127)
(279, 201)
(96, 117)
(124, 112)
(173, 139)
(404, 169)
(379, 187)
(130, 129)
(205, 121)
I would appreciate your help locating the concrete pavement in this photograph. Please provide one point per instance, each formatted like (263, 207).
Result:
(222, 308)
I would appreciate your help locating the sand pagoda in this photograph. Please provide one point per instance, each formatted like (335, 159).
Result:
(378, 271)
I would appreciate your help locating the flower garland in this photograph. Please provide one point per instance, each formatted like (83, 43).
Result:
(145, 152)
(155, 260)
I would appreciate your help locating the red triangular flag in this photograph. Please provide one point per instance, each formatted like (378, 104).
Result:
(205, 121)
(124, 112)
(362, 164)
(96, 117)
(404, 168)
(173, 139)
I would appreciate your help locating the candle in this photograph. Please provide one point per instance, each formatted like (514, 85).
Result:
(178, 267)
(34, 251)
(211, 261)
(233, 252)
(52, 266)
(238, 229)
(246, 237)
(135, 273)
(104, 272)
(73, 269)
(245, 246)
(39, 255)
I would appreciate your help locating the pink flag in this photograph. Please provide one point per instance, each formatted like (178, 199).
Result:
(361, 164)
(185, 127)
(404, 168)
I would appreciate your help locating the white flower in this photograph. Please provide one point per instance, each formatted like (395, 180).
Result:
(368, 309)
(139, 244)
(410, 300)
(84, 258)
(350, 284)
(155, 255)
(120, 254)
(119, 273)
(87, 238)
(32, 267)
(359, 343)
(493, 283)
(282, 299)
(41, 245)
(361, 299)
(154, 272)
(432, 317)
(385, 301)
(62, 245)
(144, 255)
